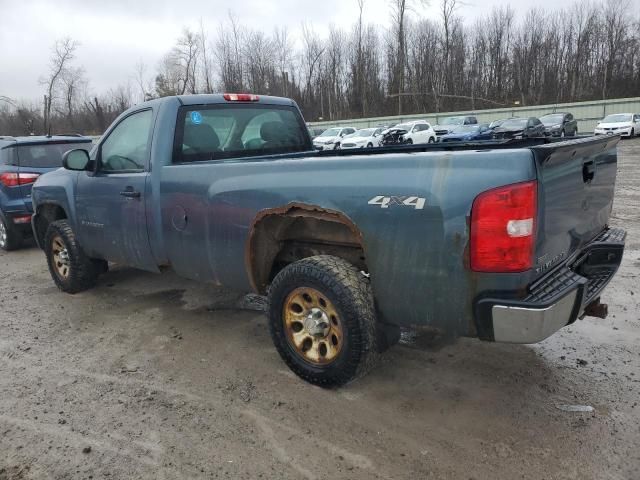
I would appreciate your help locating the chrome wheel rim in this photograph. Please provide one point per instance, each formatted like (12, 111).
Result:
(312, 326)
(3, 234)
(60, 257)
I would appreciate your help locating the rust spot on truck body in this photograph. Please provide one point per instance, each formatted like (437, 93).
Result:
(294, 231)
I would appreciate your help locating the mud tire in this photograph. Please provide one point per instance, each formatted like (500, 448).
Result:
(350, 292)
(83, 271)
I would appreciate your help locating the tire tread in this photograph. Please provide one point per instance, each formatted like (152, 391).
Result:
(353, 292)
(83, 272)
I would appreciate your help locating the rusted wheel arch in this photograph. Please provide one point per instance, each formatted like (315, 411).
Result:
(322, 230)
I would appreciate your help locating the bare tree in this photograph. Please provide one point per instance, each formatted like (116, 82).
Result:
(207, 61)
(63, 52)
(143, 82)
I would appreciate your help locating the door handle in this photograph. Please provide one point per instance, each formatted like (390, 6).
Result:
(129, 192)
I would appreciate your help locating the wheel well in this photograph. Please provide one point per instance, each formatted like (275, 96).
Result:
(284, 235)
(46, 214)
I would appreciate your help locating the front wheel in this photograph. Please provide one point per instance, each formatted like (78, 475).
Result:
(409, 141)
(369, 145)
(322, 320)
(71, 270)
(10, 238)
(432, 140)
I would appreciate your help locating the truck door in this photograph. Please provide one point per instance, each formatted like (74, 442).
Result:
(111, 208)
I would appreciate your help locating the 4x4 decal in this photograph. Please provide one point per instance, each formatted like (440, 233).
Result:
(407, 201)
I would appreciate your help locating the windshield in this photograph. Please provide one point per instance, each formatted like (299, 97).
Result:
(332, 132)
(403, 126)
(46, 155)
(452, 121)
(365, 132)
(552, 119)
(514, 123)
(620, 117)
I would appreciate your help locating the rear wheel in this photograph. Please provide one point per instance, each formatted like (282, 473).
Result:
(369, 145)
(633, 133)
(322, 320)
(432, 140)
(10, 237)
(71, 270)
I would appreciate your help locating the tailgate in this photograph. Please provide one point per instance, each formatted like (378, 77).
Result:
(576, 186)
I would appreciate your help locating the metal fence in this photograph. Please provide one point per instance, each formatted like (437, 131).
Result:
(587, 113)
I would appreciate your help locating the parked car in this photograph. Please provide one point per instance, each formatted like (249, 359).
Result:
(559, 124)
(332, 138)
(466, 133)
(624, 124)
(449, 123)
(519, 127)
(238, 197)
(22, 161)
(416, 132)
(366, 137)
(393, 135)
(315, 131)
(496, 123)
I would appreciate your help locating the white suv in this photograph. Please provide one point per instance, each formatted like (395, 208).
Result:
(417, 132)
(330, 139)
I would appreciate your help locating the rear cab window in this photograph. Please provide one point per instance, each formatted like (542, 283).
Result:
(46, 155)
(227, 131)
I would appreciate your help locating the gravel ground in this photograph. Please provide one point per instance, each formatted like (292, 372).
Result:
(151, 376)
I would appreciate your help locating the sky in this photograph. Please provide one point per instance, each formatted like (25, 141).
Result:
(115, 35)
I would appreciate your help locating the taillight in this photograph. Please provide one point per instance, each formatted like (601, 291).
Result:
(503, 223)
(15, 179)
(240, 97)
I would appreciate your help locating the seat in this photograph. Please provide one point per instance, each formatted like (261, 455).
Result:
(274, 135)
(200, 140)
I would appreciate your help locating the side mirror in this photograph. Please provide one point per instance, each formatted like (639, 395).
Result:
(77, 160)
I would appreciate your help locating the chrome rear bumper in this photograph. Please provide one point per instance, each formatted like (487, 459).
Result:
(555, 300)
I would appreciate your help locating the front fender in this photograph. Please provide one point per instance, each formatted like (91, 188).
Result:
(57, 189)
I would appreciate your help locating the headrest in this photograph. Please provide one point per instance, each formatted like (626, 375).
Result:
(201, 138)
(273, 132)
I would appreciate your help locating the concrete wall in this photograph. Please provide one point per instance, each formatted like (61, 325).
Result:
(587, 113)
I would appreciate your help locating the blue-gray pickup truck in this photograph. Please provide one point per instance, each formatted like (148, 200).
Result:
(506, 241)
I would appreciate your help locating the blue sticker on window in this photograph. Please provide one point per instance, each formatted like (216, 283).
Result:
(196, 118)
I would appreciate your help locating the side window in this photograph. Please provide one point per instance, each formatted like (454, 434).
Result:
(530, 123)
(416, 128)
(569, 117)
(427, 126)
(127, 146)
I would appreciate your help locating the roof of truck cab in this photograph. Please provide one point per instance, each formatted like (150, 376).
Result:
(217, 98)
(7, 141)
